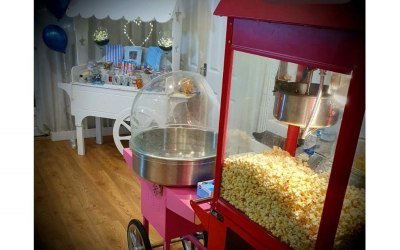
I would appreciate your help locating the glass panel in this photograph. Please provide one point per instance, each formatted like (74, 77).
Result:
(284, 194)
(249, 89)
(352, 216)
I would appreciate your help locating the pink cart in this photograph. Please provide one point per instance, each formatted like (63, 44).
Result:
(168, 210)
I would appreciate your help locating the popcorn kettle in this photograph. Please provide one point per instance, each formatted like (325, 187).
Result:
(301, 102)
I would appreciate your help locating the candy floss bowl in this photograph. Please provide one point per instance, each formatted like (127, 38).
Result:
(175, 156)
(174, 121)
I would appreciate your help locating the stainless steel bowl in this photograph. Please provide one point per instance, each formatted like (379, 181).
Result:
(175, 156)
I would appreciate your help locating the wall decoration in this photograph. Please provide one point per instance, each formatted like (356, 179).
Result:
(138, 22)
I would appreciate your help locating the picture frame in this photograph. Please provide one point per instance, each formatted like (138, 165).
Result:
(153, 58)
(133, 54)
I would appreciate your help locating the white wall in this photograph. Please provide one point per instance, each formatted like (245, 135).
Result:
(203, 41)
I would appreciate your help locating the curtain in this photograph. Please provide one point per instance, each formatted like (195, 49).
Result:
(52, 105)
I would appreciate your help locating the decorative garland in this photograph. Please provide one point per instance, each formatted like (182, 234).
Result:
(138, 22)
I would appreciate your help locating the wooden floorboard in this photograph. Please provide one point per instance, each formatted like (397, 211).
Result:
(84, 202)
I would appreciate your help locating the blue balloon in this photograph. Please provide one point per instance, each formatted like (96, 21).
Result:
(57, 7)
(55, 38)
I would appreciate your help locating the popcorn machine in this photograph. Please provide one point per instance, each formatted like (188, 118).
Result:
(315, 53)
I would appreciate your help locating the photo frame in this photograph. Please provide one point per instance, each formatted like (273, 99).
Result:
(153, 57)
(133, 54)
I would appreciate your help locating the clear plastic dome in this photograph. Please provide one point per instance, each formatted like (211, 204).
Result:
(174, 121)
(175, 99)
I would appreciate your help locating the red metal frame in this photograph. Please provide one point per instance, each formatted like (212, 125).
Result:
(226, 93)
(345, 149)
(323, 42)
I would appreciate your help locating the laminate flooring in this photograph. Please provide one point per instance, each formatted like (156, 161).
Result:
(84, 202)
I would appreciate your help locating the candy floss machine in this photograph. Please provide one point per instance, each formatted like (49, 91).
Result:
(175, 147)
(293, 74)
(173, 142)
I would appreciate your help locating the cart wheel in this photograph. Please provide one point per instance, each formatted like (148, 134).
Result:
(123, 125)
(137, 236)
(122, 130)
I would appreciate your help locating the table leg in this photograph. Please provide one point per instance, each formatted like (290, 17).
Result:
(99, 136)
(80, 140)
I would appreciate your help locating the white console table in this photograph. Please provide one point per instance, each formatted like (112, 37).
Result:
(114, 102)
(100, 101)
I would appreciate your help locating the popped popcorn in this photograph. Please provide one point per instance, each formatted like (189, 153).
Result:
(282, 194)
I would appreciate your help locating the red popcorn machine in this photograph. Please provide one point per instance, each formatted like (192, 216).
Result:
(309, 87)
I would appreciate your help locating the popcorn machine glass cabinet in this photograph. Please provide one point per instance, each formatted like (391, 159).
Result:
(286, 194)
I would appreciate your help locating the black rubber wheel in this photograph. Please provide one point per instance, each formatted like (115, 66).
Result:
(137, 236)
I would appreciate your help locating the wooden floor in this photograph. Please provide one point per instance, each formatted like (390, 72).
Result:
(84, 202)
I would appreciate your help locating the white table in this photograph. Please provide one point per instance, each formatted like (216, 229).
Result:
(100, 101)
(114, 102)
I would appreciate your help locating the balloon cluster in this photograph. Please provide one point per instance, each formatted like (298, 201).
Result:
(53, 35)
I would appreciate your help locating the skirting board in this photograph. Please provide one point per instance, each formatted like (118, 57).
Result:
(87, 133)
